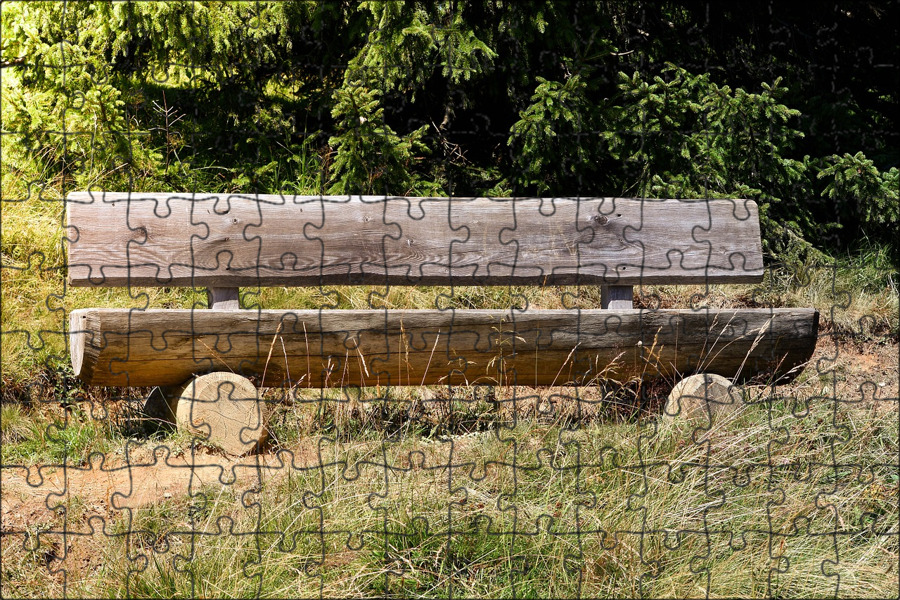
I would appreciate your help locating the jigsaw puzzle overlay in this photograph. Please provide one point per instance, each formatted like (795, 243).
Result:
(472, 299)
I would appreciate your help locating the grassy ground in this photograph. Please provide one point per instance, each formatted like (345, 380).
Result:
(523, 492)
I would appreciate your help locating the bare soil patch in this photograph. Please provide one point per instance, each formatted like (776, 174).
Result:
(110, 485)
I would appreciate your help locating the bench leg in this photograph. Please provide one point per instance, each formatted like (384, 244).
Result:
(159, 406)
(704, 396)
(224, 409)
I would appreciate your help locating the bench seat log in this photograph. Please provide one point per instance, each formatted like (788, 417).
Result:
(122, 347)
(221, 241)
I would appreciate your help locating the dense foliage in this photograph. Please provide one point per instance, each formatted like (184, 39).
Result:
(797, 110)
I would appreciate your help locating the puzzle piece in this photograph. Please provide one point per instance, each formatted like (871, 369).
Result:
(399, 224)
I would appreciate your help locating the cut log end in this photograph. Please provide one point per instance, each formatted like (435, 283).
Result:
(77, 339)
(705, 396)
(224, 409)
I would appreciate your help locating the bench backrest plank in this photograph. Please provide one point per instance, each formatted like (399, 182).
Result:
(227, 240)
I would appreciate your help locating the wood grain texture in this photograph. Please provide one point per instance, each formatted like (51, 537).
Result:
(118, 239)
(704, 397)
(224, 409)
(120, 347)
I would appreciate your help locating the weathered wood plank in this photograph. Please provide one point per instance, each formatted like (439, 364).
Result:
(118, 239)
(121, 347)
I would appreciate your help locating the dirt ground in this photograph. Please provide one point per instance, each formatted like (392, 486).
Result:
(150, 473)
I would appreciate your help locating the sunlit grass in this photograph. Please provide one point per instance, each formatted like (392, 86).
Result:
(645, 508)
(29, 439)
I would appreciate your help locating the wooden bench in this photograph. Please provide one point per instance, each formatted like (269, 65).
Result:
(222, 242)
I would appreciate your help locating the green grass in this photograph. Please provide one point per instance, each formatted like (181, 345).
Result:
(71, 438)
(756, 506)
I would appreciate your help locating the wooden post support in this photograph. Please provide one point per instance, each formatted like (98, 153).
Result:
(223, 298)
(616, 296)
(160, 405)
(703, 396)
(224, 409)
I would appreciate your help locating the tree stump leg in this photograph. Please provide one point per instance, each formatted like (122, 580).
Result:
(224, 409)
(159, 406)
(703, 396)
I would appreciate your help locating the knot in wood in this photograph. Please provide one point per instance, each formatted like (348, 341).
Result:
(600, 219)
